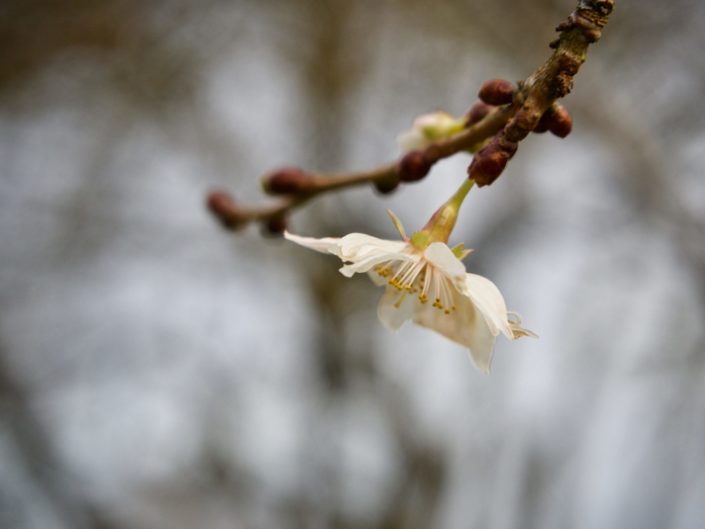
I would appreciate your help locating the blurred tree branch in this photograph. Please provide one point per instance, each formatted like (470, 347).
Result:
(36, 31)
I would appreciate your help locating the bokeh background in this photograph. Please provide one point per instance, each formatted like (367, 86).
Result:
(158, 372)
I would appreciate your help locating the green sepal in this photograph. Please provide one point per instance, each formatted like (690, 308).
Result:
(397, 224)
(460, 252)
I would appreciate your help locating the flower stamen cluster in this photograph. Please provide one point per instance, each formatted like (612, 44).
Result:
(419, 278)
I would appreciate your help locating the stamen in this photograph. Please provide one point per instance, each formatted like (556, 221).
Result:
(400, 301)
(401, 269)
(446, 295)
(435, 280)
(426, 283)
(410, 276)
(382, 269)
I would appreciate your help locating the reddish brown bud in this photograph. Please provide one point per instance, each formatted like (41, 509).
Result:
(222, 205)
(496, 92)
(414, 166)
(477, 113)
(274, 226)
(561, 123)
(491, 160)
(557, 120)
(287, 181)
(542, 125)
(386, 186)
(486, 169)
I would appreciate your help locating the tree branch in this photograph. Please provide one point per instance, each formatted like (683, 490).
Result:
(532, 107)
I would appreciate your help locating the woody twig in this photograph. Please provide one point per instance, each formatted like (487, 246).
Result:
(502, 118)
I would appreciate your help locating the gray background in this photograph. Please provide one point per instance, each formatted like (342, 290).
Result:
(158, 372)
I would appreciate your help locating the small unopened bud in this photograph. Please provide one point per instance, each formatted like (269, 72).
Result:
(557, 120)
(428, 128)
(387, 185)
(414, 166)
(223, 207)
(561, 123)
(491, 160)
(274, 226)
(287, 181)
(496, 92)
(477, 113)
(542, 125)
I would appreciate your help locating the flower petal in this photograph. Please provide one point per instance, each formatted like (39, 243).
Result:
(464, 326)
(489, 301)
(482, 346)
(412, 139)
(443, 258)
(324, 245)
(452, 326)
(395, 308)
(372, 259)
(360, 244)
(428, 128)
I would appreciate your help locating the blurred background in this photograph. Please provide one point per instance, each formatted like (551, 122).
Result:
(158, 372)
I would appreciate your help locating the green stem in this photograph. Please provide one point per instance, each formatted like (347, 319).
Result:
(462, 192)
(442, 222)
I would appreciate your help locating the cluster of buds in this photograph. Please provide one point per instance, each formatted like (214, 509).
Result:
(421, 152)
(504, 115)
(489, 162)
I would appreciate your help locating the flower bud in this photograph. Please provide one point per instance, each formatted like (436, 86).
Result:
(542, 125)
(477, 113)
(222, 205)
(496, 92)
(491, 160)
(557, 120)
(561, 124)
(387, 185)
(428, 128)
(414, 166)
(274, 226)
(287, 181)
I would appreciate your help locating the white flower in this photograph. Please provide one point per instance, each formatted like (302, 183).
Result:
(429, 286)
(428, 128)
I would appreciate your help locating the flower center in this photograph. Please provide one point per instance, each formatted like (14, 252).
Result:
(421, 279)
